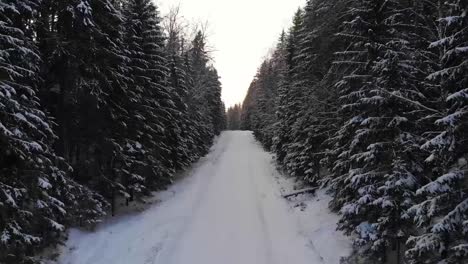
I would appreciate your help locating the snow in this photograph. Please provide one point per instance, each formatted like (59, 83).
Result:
(85, 8)
(5, 130)
(32, 145)
(462, 162)
(366, 231)
(452, 119)
(316, 223)
(460, 95)
(41, 204)
(229, 210)
(38, 120)
(9, 199)
(21, 117)
(442, 184)
(5, 237)
(56, 225)
(138, 145)
(44, 183)
(451, 19)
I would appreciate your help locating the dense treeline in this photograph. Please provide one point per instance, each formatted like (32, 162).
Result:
(97, 102)
(370, 99)
(233, 117)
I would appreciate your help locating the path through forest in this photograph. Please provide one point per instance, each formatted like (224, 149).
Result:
(228, 210)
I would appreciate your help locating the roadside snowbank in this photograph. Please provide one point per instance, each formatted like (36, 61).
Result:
(316, 222)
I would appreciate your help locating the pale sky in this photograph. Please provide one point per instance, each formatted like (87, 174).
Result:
(241, 32)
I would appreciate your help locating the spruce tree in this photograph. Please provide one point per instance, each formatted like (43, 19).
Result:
(443, 208)
(289, 97)
(378, 167)
(37, 198)
(181, 154)
(201, 84)
(317, 43)
(150, 97)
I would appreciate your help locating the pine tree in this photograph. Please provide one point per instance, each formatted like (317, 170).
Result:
(201, 83)
(288, 97)
(182, 155)
(317, 42)
(442, 212)
(85, 77)
(215, 106)
(263, 111)
(297, 160)
(37, 197)
(151, 99)
(378, 167)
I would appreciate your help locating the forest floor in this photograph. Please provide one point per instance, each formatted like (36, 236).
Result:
(229, 209)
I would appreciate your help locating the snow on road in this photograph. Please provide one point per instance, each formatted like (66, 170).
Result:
(229, 210)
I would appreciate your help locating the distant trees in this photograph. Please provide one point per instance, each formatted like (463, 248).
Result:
(370, 102)
(96, 102)
(233, 117)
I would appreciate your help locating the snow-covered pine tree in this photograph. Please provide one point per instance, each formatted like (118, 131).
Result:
(377, 167)
(85, 77)
(247, 116)
(181, 152)
(288, 102)
(151, 104)
(37, 198)
(442, 213)
(215, 106)
(252, 105)
(196, 148)
(197, 67)
(221, 113)
(103, 98)
(317, 118)
(263, 91)
(297, 160)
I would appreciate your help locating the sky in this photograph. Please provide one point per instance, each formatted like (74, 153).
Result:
(241, 32)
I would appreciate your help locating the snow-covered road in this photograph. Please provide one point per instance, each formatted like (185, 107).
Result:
(227, 211)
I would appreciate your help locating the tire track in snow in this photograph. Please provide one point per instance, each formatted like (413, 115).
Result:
(200, 189)
(227, 211)
(261, 214)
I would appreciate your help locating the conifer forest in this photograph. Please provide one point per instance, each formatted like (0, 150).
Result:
(369, 98)
(97, 101)
(358, 115)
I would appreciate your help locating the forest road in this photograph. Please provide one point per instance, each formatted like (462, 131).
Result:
(228, 210)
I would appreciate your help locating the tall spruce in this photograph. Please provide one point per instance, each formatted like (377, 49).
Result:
(442, 213)
(151, 102)
(37, 197)
(378, 167)
(205, 106)
(288, 96)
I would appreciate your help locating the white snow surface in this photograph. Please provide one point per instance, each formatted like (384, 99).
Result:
(229, 210)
